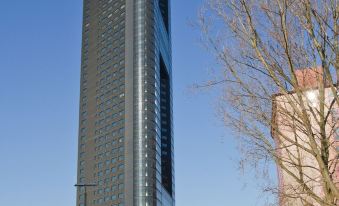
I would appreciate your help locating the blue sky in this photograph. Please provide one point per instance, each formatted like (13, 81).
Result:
(39, 92)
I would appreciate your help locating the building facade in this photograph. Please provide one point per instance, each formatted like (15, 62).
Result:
(125, 125)
(294, 146)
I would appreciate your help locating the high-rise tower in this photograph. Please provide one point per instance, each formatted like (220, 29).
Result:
(125, 126)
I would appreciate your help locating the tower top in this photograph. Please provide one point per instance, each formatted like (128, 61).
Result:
(309, 77)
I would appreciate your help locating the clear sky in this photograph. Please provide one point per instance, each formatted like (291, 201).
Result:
(39, 94)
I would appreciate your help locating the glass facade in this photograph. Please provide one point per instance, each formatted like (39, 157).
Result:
(125, 129)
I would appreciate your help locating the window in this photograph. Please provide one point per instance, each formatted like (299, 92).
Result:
(121, 167)
(335, 114)
(336, 134)
(100, 182)
(121, 186)
(114, 178)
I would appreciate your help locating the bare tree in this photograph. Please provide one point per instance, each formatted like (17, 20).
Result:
(261, 47)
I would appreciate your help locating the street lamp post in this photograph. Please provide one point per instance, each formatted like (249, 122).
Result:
(85, 186)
